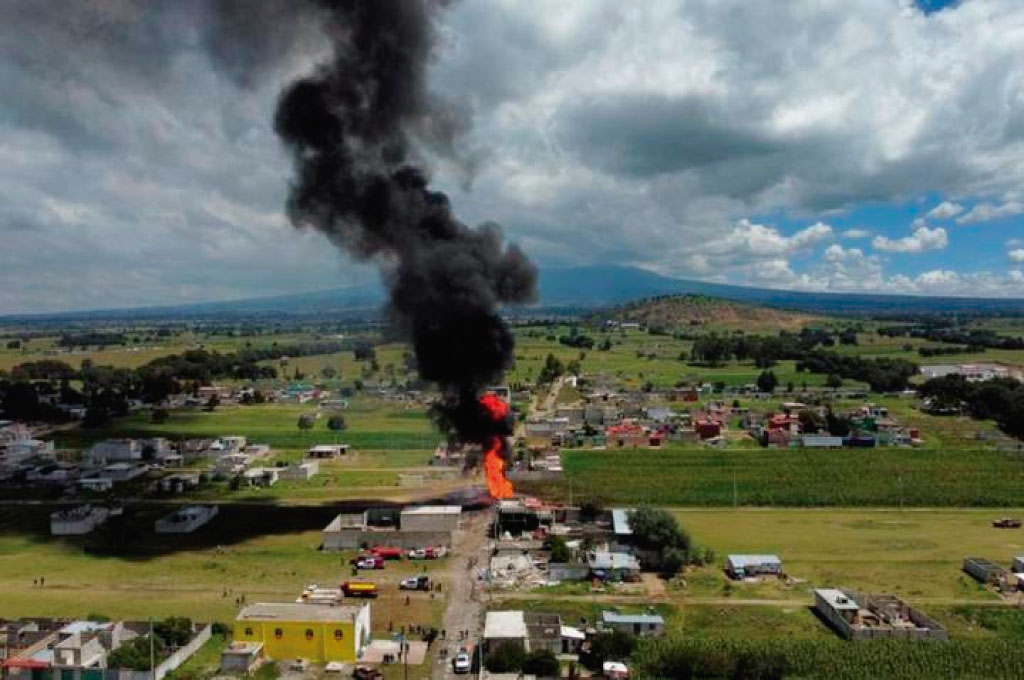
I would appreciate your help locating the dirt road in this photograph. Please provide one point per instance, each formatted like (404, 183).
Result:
(466, 598)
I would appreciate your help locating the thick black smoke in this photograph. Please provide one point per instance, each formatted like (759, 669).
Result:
(351, 125)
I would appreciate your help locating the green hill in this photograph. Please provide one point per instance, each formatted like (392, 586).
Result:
(681, 312)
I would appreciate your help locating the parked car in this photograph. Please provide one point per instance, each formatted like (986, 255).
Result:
(428, 553)
(1006, 523)
(461, 663)
(421, 582)
(366, 673)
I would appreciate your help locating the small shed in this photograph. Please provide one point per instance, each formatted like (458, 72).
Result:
(641, 625)
(749, 566)
(984, 571)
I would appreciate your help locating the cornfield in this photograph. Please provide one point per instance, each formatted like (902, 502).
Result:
(685, 658)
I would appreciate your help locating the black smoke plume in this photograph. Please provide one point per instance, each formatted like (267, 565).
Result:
(351, 127)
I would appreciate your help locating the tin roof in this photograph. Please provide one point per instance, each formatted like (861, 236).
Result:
(620, 521)
(746, 560)
(837, 599)
(611, 617)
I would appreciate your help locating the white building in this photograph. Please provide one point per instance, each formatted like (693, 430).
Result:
(301, 472)
(77, 521)
(186, 520)
(261, 476)
(431, 518)
(327, 450)
(113, 451)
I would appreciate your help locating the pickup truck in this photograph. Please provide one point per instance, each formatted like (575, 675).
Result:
(421, 582)
(370, 562)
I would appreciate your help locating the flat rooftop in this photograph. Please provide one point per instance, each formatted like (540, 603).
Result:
(282, 611)
(433, 510)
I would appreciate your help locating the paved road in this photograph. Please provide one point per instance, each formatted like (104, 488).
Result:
(465, 596)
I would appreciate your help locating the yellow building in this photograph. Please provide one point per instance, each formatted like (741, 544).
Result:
(319, 633)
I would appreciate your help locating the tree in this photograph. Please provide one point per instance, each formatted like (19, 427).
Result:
(306, 422)
(833, 381)
(810, 422)
(551, 369)
(656, 533)
(506, 657)
(767, 382)
(336, 423)
(212, 403)
(560, 552)
(542, 663)
(329, 372)
(135, 654)
(611, 646)
(159, 415)
(174, 631)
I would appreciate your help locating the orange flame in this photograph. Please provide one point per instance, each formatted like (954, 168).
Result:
(494, 463)
(494, 467)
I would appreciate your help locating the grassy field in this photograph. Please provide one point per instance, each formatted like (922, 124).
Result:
(916, 554)
(262, 553)
(371, 424)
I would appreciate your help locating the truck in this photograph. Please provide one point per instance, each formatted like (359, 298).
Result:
(370, 562)
(387, 552)
(421, 582)
(429, 553)
(359, 589)
(1006, 523)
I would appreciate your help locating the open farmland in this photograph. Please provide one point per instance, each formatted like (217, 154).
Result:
(262, 552)
(916, 554)
(797, 477)
(371, 424)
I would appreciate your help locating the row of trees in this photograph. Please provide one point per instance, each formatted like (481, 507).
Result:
(1000, 399)
(765, 350)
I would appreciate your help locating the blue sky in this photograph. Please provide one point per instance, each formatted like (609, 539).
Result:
(787, 145)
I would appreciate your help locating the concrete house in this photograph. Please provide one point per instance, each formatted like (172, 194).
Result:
(327, 451)
(532, 631)
(857, 616)
(613, 566)
(319, 633)
(260, 476)
(77, 521)
(640, 625)
(186, 520)
(114, 451)
(301, 472)
(413, 528)
(431, 518)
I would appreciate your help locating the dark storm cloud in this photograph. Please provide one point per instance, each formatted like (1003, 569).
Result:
(644, 135)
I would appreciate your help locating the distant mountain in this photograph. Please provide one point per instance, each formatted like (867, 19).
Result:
(567, 288)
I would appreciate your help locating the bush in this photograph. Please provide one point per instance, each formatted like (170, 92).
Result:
(542, 663)
(507, 657)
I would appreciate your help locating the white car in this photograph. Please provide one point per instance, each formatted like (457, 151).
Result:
(462, 664)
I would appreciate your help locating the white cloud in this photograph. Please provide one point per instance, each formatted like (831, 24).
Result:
(986, 212)
(1016, 255)
(945, 210)
(608, 131)
(922, 239)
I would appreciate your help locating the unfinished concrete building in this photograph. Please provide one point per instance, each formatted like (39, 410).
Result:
(861, 616)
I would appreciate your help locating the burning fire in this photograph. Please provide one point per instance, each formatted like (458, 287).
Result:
(494, 462)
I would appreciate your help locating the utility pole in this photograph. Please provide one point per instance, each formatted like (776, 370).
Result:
(152, 653)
